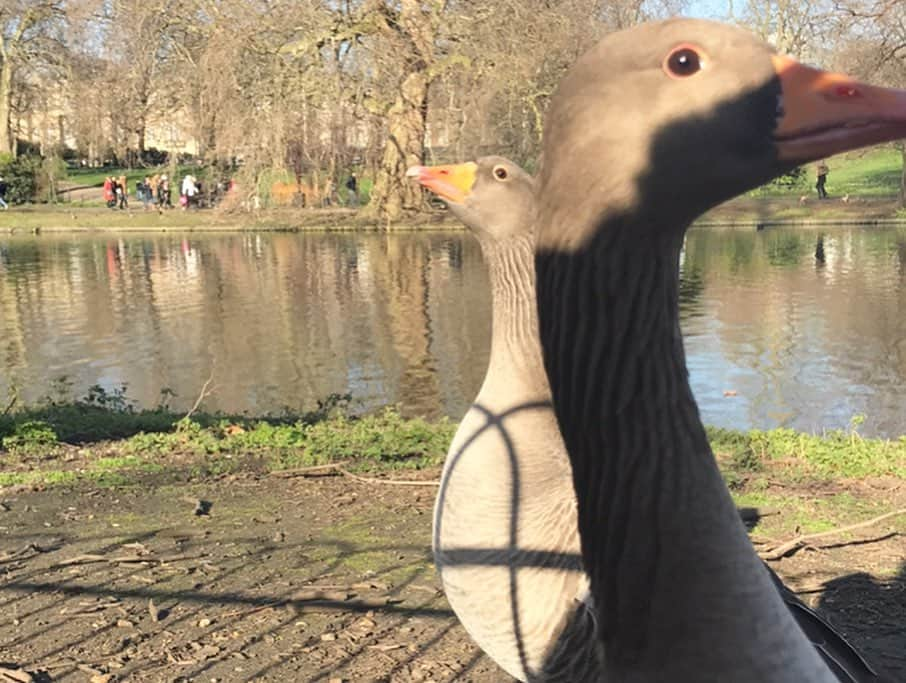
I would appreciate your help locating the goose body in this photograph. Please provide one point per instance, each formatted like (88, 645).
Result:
(506, 540)
(505, 529)
(648, 130)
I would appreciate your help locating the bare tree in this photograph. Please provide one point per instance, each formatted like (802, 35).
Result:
(25, 27)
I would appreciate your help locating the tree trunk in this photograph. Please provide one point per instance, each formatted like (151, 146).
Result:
(140, 133)
(6, 92)
(393, 193)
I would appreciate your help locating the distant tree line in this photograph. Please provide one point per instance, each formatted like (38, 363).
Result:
(316, 87)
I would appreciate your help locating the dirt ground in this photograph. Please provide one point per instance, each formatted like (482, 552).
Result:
(299, 579)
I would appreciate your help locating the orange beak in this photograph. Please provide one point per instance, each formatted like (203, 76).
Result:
(826, 113)
(452, 182)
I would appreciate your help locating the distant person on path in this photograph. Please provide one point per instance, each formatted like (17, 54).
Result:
(122, 192)
(352, 186)
(155, 183)
(188, 191)
(163, 193)
(821, 169)
(3, 188)
(147, 196)
(109, 192)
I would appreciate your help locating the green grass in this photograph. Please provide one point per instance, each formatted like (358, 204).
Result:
(808, 513)
(875, 172)
(836, 454)
(103, 434)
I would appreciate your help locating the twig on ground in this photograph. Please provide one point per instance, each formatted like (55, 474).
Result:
(18, 675)
(24, 550)
(252, 610)
(13, 399)
(330, 469)
(338, 468)
(791, 546)
(396, 482)
(205, 392)
(126, 559)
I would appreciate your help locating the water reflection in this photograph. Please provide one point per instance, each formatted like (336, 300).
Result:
(807, 328)
(281, 319)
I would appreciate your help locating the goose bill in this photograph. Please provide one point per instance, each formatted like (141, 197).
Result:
(452, 182)
(822, 113)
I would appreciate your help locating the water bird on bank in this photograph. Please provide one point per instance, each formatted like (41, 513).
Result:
(506, 540)
(648, 130)
(505, 531)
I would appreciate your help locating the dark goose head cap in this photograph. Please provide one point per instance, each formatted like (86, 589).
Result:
(492, 195)
(665, 120)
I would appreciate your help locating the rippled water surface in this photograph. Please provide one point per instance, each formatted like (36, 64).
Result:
(783, 327)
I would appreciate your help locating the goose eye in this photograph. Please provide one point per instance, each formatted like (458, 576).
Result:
(683, 61)
(500, 173)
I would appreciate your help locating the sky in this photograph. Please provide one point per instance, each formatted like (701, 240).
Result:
(709, 9)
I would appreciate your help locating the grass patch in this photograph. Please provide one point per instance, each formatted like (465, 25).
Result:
(875, 172)
(836, 454)
(133, 442)
(806, 513)
(102, 434)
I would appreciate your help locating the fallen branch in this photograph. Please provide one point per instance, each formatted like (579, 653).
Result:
(202, 396)
(791, 546)
(331, 468)
(13, 399)
(23, 551)
(126, 559)
(252, 610)
(18, 675)
(338, 468)
(396, 482)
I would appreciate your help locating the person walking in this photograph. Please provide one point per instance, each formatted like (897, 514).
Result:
(821, 170)
(147, 192)
(187, 192)
(123, 192)
(163, 193)
(352, 190)
(109, 192)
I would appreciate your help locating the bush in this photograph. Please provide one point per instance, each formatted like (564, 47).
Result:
(21, 176)
(32, 437)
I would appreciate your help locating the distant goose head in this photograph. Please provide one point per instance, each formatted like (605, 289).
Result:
(492, 196)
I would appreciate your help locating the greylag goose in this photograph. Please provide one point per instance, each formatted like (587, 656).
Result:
(506, 541)
(649, 129)
(507, 445)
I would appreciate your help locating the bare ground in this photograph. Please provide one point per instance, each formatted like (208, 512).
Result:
(301, 579)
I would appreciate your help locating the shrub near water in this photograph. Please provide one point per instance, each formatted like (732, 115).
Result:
(32, 437)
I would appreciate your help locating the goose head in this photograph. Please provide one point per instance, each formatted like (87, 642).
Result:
(492, 196)
(666, 120)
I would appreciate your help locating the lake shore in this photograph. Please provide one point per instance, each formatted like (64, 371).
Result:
(301, 547)
(741, 212)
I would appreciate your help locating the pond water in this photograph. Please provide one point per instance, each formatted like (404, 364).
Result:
(782, 327)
